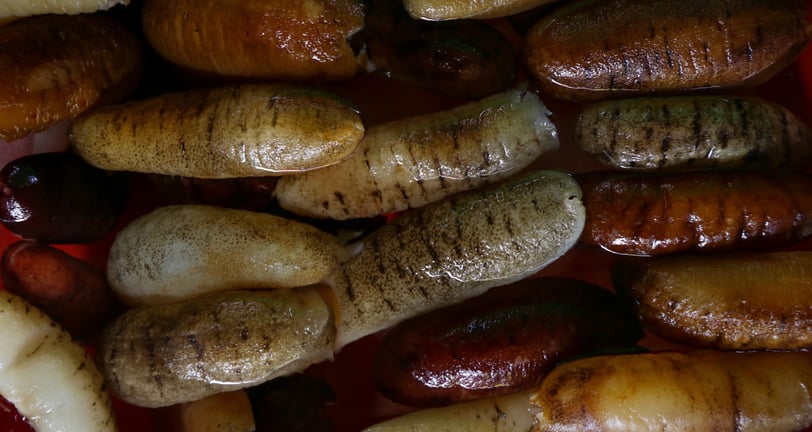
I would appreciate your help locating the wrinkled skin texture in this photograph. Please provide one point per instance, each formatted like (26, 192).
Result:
(412, 162)
(736, 301)
(280, 40)
(501, 342)
(70, 64)
(230, 131)
(597, 49)
(656, 214)
(213, 343)
(49, 378)
(692, 133)
(456, 249)
(673, 391)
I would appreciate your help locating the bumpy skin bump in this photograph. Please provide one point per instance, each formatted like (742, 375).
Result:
(674, 391)
(689, 133)
(591, 49)
(412, 162)
(162, 355)
(456, 249)
(742, 301)
(56, 67)
(51, 380)
(231, 131)
(178, 252)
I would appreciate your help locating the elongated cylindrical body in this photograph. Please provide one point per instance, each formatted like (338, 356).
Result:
(166, 354)
(596, 49)
(72, 292)
(456, 249)
(726, 301)
(688, 133)
(413, 162)
(648, 214)
(56, 67)
(50, 379)
(509, 413)
(441, 10)
(23, 8)
(642, 392)
(278, 40)
(231, 131)
(501, 342)
(671, 391)
(182, 251)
